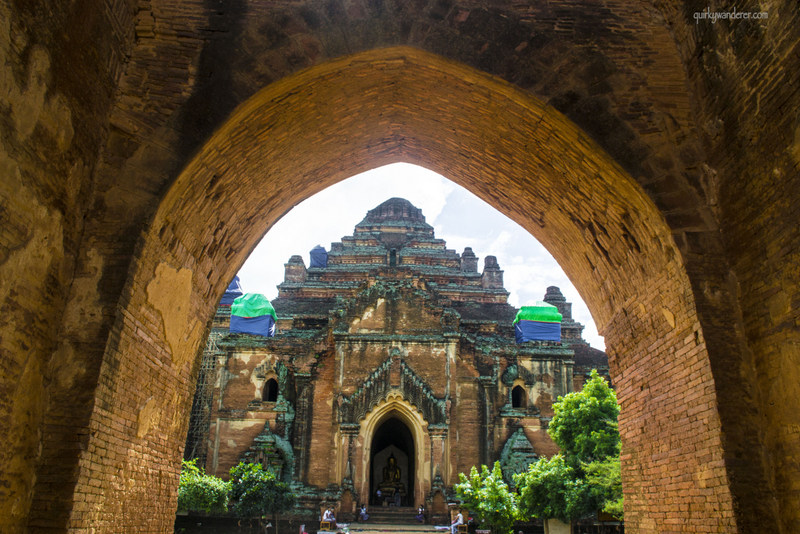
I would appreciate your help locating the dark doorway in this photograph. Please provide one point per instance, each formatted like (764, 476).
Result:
(271, 390)
(518, 398)
(392, 464)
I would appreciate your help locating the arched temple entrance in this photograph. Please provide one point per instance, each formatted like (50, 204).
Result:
(395, 427)
(392, 463)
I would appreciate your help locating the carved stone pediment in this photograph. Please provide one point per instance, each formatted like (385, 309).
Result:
(379, 384)
(515, 371)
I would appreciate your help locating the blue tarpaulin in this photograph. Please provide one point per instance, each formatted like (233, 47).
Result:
(252, 313)
(537, 331)
(319, 257)
(234, 290)
(259, 326)
(541, 322)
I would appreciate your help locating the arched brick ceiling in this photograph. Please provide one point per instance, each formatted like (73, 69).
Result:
(612, 68)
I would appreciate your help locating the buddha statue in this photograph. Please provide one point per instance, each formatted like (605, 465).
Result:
(391, 483)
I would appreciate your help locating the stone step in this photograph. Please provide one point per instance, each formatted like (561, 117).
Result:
(411, 524)
(396, 510)
(391, 514)
(383, 528)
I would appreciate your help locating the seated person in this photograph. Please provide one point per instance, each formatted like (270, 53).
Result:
(459, 520)
(363, 515)
(420, 514)
(329, 517)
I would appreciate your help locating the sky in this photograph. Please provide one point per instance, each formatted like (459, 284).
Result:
(457, 216)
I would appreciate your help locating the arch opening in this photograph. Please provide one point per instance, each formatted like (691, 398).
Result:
(519, 398)
(271, 390)
(538, 169)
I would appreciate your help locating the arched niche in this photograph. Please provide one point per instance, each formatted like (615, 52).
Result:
(519, 398)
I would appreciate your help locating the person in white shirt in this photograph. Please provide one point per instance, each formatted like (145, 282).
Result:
(459, 520)
(328, 516)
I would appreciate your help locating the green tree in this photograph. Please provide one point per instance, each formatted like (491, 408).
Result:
(488, 498)
(256, 492)
(585, 476)
(552, 488)
(199, 492)
(584, 424)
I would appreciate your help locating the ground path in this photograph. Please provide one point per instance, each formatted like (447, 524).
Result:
(383, 528)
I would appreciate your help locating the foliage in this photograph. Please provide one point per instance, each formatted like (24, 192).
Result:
(605, 481)
(488, 498)
(256, 491)
(586, 476)
(585, 422)
(552, 488)
(200, 492)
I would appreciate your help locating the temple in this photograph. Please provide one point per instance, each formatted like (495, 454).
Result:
(394, 368)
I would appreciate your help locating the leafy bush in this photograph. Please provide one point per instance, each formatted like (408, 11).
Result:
(256, 492)
(199, 492)
(551, 488)
(586, 476)
(486, 495)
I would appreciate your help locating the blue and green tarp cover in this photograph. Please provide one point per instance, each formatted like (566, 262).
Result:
(234, 290)
(252, 313)
(541, 322)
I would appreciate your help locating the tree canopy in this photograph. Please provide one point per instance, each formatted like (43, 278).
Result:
(551, 488)
(585, 477)
(584, 424)
(486, 495)
(605, 484)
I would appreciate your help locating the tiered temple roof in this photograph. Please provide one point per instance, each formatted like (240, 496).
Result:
(394, 241)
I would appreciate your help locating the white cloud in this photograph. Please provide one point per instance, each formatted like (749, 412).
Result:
(458, 217)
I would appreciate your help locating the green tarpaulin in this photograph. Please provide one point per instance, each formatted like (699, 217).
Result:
(542, 312)
(252, 305)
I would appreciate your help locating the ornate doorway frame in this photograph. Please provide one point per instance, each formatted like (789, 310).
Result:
(394, 405)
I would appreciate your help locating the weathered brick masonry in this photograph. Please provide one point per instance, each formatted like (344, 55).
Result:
(146, 146)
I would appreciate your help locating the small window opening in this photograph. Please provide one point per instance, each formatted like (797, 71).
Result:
(518, 397)
(271, 390)
(393, 258)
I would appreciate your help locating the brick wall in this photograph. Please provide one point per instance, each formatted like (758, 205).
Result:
(56, 100)
(673, 209)
(747, 93)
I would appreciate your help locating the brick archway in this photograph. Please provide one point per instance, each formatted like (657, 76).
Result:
(399, 104)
